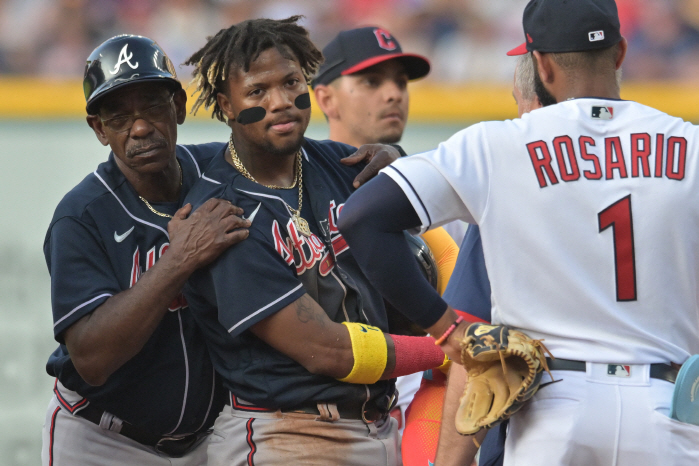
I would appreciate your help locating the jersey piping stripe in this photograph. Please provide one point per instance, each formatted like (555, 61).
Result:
(264, 308)
(63, 402)
(80, 307)
(52, 434)
(269, 196)
(127, 210)
(204, 177)
(193, 159)
(211, 401)
(244, 407)
(429, 219)
(186, 374)
(251, 442)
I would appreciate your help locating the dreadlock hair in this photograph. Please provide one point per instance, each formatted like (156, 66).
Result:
(241, 44)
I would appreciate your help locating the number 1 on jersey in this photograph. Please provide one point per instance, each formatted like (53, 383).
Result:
(618, 216)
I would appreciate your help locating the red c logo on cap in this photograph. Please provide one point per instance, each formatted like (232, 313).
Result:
(529, 38)
(385, 39)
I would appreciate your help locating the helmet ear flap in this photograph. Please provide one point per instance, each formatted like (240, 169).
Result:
(124, 60)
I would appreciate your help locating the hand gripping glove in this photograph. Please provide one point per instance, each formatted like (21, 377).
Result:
(504, 370)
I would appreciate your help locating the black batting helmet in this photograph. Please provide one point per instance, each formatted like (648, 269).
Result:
(398, 324)
(124, 60)
(425, 258)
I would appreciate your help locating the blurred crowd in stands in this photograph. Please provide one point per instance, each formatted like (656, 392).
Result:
(466, 40)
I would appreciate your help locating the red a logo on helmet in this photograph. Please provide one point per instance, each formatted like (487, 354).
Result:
(385, 39)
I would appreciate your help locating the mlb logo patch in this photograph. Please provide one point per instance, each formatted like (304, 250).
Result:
(618, 370)
(595, 36)
(603, 113)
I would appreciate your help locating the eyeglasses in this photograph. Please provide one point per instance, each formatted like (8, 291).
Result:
(154, 114)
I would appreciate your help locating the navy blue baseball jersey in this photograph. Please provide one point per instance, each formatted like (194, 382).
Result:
(101, 240)
(273, 268)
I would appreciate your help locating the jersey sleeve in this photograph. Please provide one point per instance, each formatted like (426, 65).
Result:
(447, 183)
(251, 281)
(82, 277)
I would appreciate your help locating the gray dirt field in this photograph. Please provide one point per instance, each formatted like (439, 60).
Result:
(42, 160)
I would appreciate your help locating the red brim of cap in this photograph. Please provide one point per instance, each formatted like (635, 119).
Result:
(420, 66)
(519, 50)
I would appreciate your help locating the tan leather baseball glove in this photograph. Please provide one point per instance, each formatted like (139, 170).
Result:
(504, 370)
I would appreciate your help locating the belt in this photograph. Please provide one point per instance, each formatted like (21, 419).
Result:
(367, 412)
(171, 445)
(660, 371)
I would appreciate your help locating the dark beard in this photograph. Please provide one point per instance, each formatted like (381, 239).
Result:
(545, 97)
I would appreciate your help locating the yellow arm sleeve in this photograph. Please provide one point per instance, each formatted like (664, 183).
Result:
(445, 252)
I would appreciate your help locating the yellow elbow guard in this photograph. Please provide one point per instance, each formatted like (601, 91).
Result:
(370, 353)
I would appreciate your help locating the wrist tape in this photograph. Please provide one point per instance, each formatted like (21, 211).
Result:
(370, 353)
(416, 354)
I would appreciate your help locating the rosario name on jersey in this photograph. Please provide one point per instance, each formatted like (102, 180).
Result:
(589, 212)
(101, 240)
(274, 267)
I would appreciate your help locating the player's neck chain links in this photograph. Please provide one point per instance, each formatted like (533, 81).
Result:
(151, 207)
(241, 168)
(300, 222)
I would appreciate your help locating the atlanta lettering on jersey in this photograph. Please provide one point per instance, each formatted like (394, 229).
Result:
(304, 252)
(136, 271)
(564, 157)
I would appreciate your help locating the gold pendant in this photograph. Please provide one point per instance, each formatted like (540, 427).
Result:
(301, 225)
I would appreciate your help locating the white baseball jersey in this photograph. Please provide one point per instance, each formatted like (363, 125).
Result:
(589, 214)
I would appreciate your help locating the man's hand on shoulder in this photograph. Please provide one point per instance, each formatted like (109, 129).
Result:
(376, 156)
(201, 237)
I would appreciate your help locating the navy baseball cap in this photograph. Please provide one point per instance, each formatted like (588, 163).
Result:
(569, 26)
(357, 49)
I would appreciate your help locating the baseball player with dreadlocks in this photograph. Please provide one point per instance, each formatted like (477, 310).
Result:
(295, 329)
(588, 212)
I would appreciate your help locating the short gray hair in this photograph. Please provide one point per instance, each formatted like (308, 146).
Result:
(524, 76)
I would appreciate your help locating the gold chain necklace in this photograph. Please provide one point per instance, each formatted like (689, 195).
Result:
(300, 222)
(151, 207)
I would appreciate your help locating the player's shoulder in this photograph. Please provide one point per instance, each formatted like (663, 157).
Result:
(202, 154)
(327, 149)
(638, 111)
(91, 189)
(325, 156)
(213, 182)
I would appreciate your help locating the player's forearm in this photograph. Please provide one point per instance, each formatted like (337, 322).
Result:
(345, 351)
(408, 355)
(453, 448)
(102, 341)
